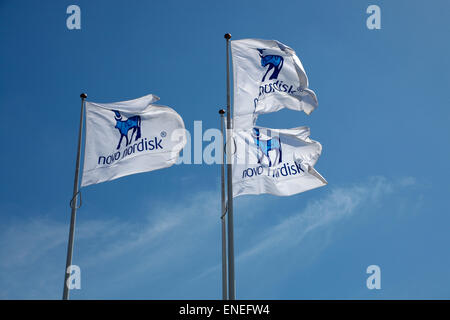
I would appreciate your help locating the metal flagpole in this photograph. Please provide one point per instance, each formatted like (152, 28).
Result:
(231, 279)
(224, 212)
(73, 202)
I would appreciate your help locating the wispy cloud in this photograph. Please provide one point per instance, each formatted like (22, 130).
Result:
(340, 203)
(37, 247)
(166, 241)
(24, 243)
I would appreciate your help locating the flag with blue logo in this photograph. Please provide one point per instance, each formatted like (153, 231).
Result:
(129, 137)
(268, 76)
(275, 161)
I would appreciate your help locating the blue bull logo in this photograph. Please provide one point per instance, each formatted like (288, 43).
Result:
(273, 61)
(124, 126)
(267, 145)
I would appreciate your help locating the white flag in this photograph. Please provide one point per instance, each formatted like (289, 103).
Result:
(276, 161)
(268, 76)
(130, 137)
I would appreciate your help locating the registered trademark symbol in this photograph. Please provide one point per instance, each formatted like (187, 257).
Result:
(163, 134)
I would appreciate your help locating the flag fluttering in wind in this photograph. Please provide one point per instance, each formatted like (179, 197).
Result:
(129, 137)
(275, 161)
(268, 76)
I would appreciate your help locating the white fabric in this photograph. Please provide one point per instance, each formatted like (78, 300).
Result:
(131, 106)
(156, 148)
(252, 96)
(289, 174)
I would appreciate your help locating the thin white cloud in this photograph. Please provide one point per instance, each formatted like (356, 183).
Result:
(35, 246)
(24, 243)
(340, 203)
(182, 230)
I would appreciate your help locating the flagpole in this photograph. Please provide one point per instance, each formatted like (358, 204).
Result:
(224, 212)
(73, 202)
(231, 279)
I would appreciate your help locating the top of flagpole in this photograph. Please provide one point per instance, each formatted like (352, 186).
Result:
(227, 36)
(83, 96)
(221, 111)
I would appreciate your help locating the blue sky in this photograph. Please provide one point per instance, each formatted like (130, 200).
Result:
(382, 120)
